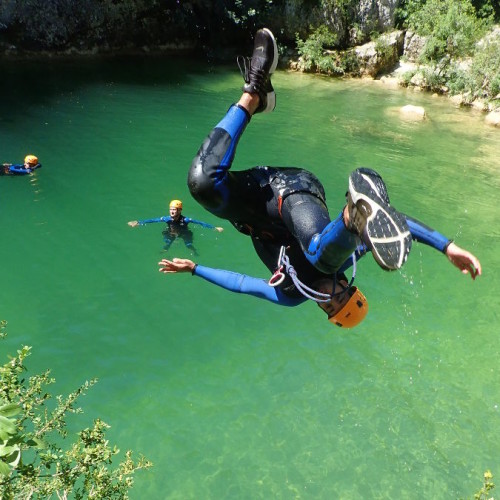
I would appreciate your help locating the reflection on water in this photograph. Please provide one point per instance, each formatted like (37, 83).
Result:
(231, 398)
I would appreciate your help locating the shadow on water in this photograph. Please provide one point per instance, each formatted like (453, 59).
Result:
(37, 82)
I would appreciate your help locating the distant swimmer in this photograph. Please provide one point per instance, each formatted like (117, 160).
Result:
(30, 163)
(177, 226)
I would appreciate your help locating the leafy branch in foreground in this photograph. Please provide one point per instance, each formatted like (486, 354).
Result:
(32, 462)
(488, 486)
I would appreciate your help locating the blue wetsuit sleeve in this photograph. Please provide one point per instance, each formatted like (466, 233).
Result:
(188, 220)
(157, 219)
(19, 170)
(427, 235)
(241, 283)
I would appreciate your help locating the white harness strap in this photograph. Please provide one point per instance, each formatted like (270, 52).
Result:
(278, 277)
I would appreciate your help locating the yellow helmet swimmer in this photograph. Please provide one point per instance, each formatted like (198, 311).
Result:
(176, 204)
(31, 160)
(353, 312)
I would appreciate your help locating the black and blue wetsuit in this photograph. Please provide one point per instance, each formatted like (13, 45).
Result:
(277, 206)
(19, 169)
(177, 228)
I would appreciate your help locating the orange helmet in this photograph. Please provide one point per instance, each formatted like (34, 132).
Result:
(176, 204)
(31, 160)
(353, 312)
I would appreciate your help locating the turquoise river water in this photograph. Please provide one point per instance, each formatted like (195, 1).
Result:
(231, 397)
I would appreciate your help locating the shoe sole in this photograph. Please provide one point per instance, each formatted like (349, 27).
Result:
(274, 65)
(271, 96)
(271, 103)
(382, 228)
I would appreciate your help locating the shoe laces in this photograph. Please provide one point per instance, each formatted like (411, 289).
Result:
(244, 64)
(252, 76)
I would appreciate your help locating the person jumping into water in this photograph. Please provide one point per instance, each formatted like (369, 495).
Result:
(284, 212)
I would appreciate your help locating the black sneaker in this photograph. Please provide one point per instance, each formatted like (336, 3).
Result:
(382, 229)
(257, 70)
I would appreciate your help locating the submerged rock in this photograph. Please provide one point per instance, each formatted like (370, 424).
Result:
(493, 118)
(413, 112)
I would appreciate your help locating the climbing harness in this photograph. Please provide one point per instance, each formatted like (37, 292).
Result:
(278, 276)
(284, 265)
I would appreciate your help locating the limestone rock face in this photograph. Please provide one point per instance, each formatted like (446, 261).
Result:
(377, 15)
(372, 62)
(370, 16)
(413, 46)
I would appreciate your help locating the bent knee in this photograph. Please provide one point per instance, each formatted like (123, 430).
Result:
(207, 170)
(199, 182)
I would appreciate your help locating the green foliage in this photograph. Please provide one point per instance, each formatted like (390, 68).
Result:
(313, 51)
(405, 10)
(482, 79)
(32, 463)
(349, 62)
(383, 48)
(450, 26)
(485, 9)
(485, 69)
(406, 77)
(488, 486)
(453, 30)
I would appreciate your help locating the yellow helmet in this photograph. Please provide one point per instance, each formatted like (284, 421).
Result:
(31, 160)
(353, 312)
(176, 204)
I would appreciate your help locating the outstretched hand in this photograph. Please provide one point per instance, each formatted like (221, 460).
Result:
(465, 261)
(176, 266)
(219, 229)
(133, 223)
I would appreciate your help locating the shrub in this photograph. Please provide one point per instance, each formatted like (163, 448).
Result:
(488, 486)
(450, 26)
(32, 463)
(312, 51)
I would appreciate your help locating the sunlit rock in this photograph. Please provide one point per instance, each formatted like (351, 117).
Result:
(412, 112)
(493, 118)
(390, 82)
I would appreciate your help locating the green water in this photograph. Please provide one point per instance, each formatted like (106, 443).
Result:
(228, 396)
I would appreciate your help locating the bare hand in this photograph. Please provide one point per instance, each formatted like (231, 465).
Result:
(133, 223)
(465, 261)
(176, 266)
(219, 229)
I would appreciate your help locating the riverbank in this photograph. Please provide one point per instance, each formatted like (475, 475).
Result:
(391, 69)
(395, 60)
